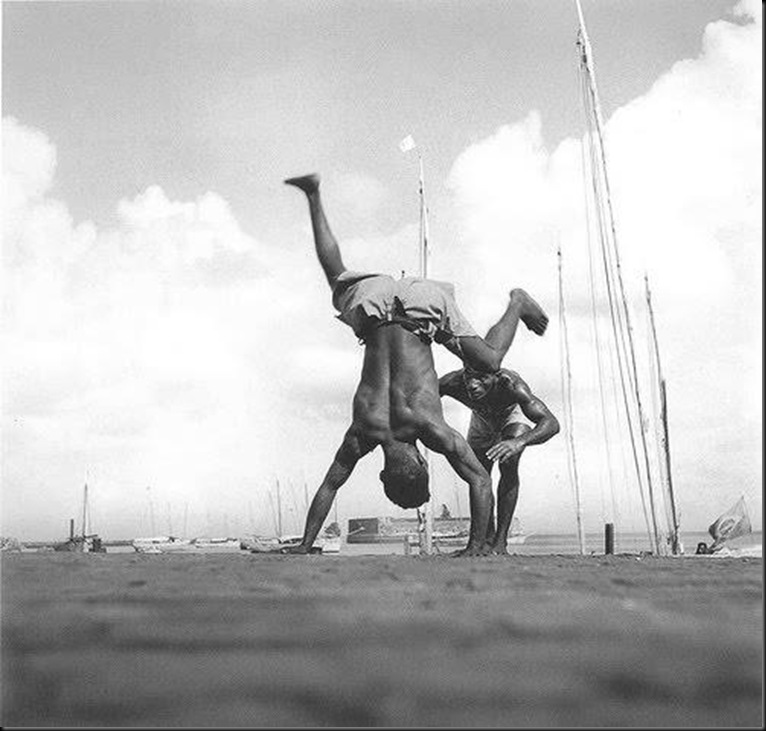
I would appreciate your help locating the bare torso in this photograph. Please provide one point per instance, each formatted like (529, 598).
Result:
(398, 393)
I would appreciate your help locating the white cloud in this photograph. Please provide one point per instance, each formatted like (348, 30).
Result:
(685, 172)
(159, 352)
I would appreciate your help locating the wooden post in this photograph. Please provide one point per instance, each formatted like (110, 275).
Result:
(609, 539)
(407, 549)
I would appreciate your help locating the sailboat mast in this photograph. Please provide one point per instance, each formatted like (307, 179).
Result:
(151, 510)
(428, 512)
(273, 514)
(567, 400)
(632, 371)
(675, 538)
(424, 233)
(85, 512)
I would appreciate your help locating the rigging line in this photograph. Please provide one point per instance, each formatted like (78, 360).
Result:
(603, 234)
(614, 311)
(599, 153)
(594, 319)
(566, 404)
(624, 303)
(607, 246)
(618, 360)
(580, 531)
(618, 332)
(564, 401)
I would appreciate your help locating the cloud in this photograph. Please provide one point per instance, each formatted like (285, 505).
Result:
(685, 172)
(168, 350)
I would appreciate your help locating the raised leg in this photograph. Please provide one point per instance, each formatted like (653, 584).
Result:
(520, 307)
(486, 354)
(324, 241)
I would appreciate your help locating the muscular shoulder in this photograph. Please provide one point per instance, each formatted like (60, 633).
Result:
(451, 383)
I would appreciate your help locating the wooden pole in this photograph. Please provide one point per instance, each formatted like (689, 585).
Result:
(151, 511)
(609, 539)
(569, 418)
(675, 539)
(85, 512)
(428, 512)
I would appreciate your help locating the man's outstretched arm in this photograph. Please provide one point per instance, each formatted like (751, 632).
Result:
(545, 423)
(350, 452)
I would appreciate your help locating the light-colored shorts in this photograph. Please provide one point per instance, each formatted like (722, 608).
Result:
(364, 298)
(484, 433)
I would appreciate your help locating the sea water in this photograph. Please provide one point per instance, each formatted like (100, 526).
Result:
(545, 544)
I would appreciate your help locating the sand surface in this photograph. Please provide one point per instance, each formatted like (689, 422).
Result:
(267, 641)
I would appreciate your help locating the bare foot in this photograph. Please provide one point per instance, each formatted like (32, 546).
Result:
(307, 183)
(532, 315)
(470, 550)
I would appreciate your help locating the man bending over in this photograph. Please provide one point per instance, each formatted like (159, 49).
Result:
(497, 433)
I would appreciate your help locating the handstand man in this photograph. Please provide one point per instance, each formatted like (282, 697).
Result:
(497, 433)
(397, 401)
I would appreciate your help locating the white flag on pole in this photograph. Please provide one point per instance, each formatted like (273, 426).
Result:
(407, 144)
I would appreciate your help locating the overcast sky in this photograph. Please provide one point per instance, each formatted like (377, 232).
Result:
(167, 334)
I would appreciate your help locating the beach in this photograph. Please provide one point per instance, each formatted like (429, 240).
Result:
(248, 640)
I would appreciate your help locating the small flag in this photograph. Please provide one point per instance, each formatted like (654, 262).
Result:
(407, 144)
(733, 523)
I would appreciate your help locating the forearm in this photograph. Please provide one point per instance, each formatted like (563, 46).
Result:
(322, 502)
(540, 433)
(320, 507)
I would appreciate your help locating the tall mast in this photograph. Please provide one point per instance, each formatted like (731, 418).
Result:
(424, 233)
(426, 515)
(627, 360)
(568, 417)
(273, 514)
(85, 513)
(151, 510)
(428, 510)
(675, 537)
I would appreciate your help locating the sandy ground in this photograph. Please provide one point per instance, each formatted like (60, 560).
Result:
(269, 641)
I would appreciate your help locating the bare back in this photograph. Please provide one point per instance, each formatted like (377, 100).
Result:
(398, 393)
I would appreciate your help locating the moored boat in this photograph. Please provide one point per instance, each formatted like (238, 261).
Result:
(173, 544)
(160, 544)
